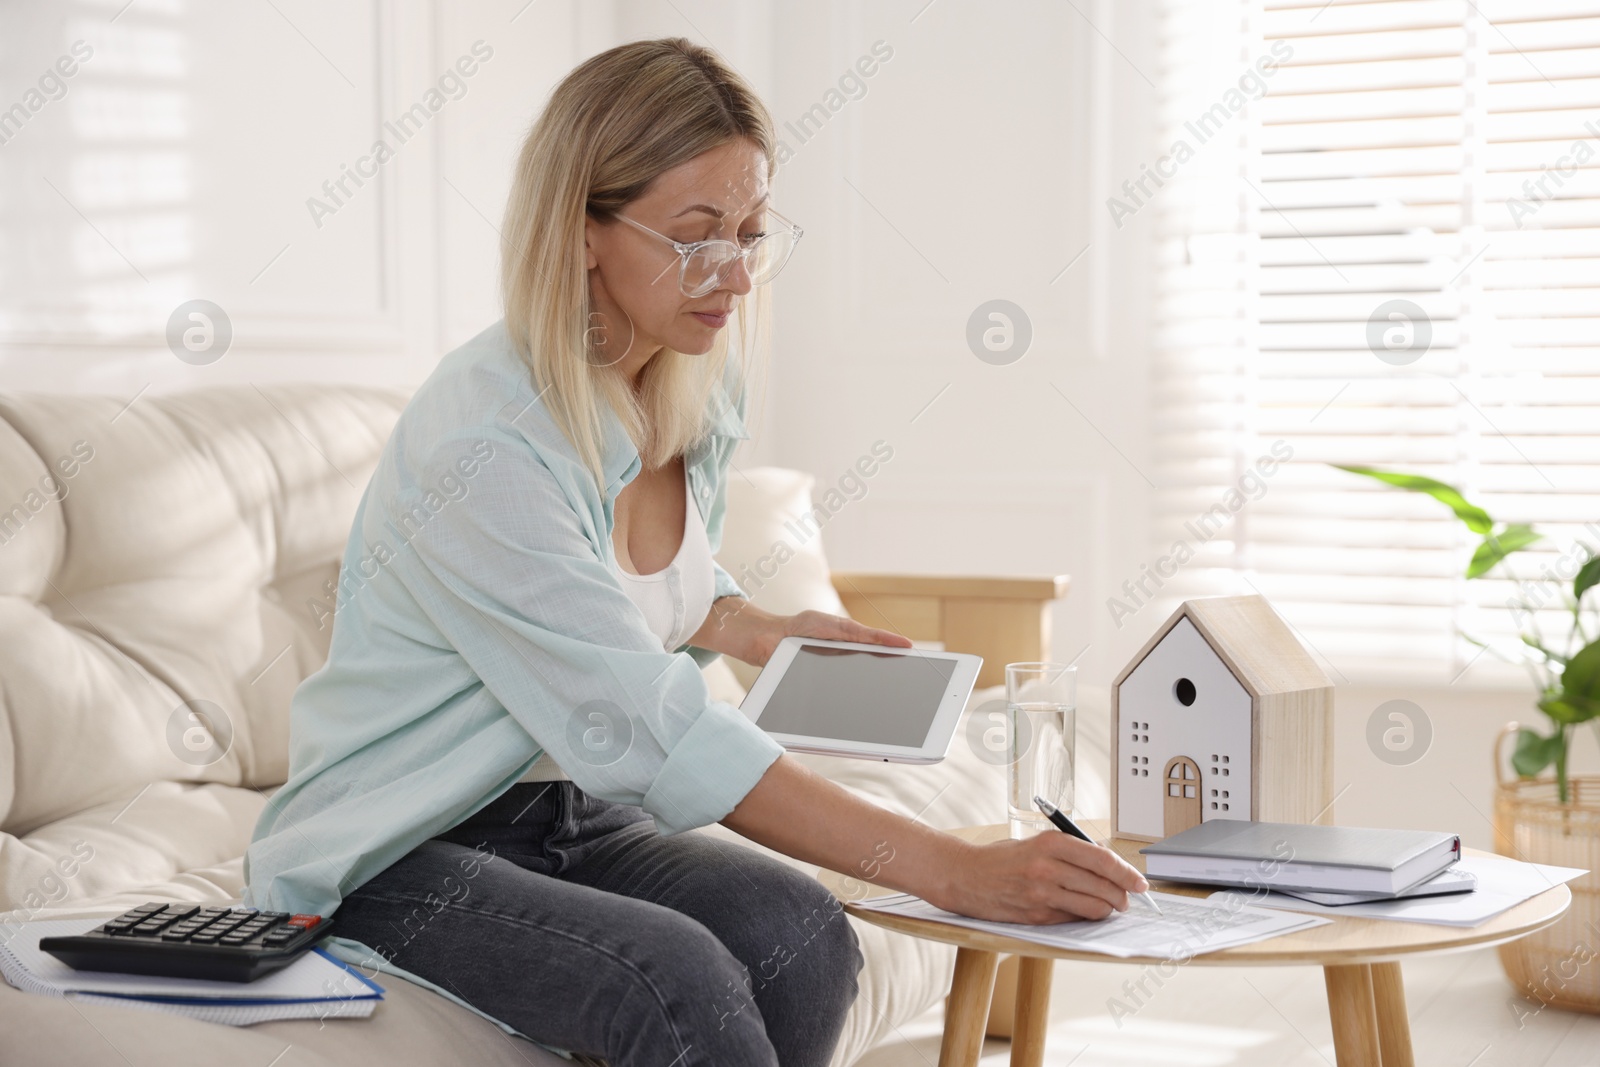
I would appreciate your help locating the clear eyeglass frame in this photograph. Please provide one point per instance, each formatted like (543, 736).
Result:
(703, 265)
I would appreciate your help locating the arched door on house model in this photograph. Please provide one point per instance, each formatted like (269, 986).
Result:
(1181, 805)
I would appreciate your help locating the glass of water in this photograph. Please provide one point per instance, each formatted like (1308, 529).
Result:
(1041, 740)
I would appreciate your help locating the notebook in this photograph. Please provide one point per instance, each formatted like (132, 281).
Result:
(1502, 884)
(1320, 859)
(1456, 879)
(315, 986)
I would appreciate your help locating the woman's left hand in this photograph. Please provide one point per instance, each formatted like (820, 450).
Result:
(739, 629)
(820, 624)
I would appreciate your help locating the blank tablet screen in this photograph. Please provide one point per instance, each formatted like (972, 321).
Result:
(882, 698)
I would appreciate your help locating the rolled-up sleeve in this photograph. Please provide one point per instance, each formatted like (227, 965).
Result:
(724, 584)
(510, 576)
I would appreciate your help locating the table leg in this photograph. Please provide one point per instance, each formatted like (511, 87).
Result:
(1354, 1015)
(1394, 1027)
(967, 1009)
(1032, 1019)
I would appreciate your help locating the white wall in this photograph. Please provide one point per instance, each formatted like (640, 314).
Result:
(181, 159)
(177, 166)
(961, 177)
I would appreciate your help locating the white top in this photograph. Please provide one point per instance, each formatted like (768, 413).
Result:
(675, 601)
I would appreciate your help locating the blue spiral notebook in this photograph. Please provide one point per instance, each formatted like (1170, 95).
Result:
(315, 986)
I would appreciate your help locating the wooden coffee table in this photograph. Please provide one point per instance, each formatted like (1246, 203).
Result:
(1360, 961)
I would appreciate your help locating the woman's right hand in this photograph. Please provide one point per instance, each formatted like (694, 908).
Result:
(1050, 877)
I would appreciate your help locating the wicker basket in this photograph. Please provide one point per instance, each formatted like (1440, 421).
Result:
(1560, 965)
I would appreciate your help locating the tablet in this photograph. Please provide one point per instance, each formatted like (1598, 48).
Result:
(841, 698)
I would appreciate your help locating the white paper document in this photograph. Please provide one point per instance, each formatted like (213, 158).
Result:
(1187, 926)
(1502, 884)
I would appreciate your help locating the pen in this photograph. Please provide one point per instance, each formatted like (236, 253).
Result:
(1066, 825)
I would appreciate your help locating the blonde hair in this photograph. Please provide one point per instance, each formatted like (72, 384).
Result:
(615, 123)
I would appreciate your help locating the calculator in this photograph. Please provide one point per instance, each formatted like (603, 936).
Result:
(189, 941)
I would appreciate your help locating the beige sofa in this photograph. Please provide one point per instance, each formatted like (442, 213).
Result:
(181, 549)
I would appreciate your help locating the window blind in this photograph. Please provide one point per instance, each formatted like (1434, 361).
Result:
(1378, 242)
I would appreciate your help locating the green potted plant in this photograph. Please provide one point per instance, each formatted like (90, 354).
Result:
(1553, 819)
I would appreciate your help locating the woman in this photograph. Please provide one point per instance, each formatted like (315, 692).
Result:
(490, 774)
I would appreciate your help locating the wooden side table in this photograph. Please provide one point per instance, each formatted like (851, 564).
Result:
(1360, 961)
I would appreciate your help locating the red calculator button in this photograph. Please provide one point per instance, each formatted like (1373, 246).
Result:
(305, 922)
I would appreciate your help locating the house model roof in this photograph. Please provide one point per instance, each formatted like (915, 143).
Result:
(1252, 639)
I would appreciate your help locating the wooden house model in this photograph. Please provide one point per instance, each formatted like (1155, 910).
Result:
(1222, 715)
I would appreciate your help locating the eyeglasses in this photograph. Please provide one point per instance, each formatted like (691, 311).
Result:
(702, 265)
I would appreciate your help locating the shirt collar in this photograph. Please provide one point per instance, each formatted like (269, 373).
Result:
(724, 416)
(621, 459)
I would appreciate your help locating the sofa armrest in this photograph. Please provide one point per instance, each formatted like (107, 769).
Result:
(1004, 620)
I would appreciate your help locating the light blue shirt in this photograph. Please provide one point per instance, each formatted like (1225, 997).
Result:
(480, 624)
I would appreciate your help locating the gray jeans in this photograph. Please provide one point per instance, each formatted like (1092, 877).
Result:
(571, 919)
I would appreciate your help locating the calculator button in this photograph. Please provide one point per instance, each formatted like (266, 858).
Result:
(203, 938)
(176, 935)
(233, 939)
(180, 911)
(275, 916)
(305, 922)
(145, 909)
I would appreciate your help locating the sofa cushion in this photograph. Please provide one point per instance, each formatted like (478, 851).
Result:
(159, 559)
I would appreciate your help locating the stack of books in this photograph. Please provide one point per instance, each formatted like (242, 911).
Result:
(315, 986)
(1325, 864)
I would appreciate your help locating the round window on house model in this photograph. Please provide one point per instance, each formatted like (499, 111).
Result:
(1183, 689)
